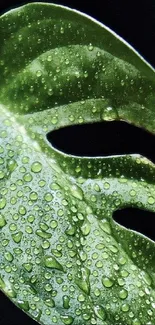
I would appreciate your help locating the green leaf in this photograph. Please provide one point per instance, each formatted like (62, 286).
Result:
(63, 258)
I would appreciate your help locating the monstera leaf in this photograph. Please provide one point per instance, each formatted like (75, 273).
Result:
(64, 260)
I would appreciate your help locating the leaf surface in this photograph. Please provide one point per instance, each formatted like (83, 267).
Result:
(64, 260)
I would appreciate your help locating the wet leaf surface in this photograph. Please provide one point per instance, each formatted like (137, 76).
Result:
(64, 260)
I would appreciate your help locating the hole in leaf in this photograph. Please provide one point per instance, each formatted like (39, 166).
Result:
(136, 219)
(103, 139)
(10, 314)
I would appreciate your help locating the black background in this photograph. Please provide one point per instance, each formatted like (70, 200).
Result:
(135, 22)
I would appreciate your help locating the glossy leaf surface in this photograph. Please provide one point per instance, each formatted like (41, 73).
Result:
(63, 258)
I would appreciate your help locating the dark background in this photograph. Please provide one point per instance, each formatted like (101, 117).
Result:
(135, 22)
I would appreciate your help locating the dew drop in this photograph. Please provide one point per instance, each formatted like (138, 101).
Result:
(83, 281)
(125, 307)
(28, 266)
(136, 322)
(43, 234)
(66, 301)
(52, 263)
(132, 193)
(8, 256)
(1, 174)
(100, 312)
(27, 177)
(108, 283)
(39, 73)
(81, 298)
(123, 294)
(2, 203)
(54, 120)
(151, 200)
(54, 224)
(24, 305)
(147, 279)
(70, 230)
(77, 192)
(50, 91)
(86, 227)
(90, 47)
(17, 237)
(36, 167)
(105, 226)
(50, 303)
(48, 197)
(2, 221)
(33, 196)
(49, 58)
(67, 320)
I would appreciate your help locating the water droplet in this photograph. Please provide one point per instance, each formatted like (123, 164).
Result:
(50, 91)
(66, 301)
(52, 263)
(43, 234)
(77, 192)
(106, 185)
(70, 230)
(12, 165)
(54, 224)
(28, 266)
(104, 225)
(107, 282)
(81, 298)
(17, 237)
(49, 58)
(24, 305)
(125, 307)
(71, 118)
(83, 280)
(93, 198)
(123, 294)
(67, 320)
(113, 248)
(2, 221)
(2, 283)
(50, 303)
(2, 203)
(54, 120)
(147, 279)
(27, 177)
(39, 73)
(124, 273)
(90, 47)
(122, 260)
(22, 210)
(36, 167)
(132, 193)
(48, 287)
(45, 244)
(86, 227)
(121, 282)
(10, 291)
(8, 256)
(31, 218)
(33, 196)
(48, 197)
(151, 200)
(100, 312)
(2, 174)
(136, 322)
(62, 30)
(99, 264)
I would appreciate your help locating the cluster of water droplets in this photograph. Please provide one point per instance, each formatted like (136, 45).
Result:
(64, 260)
